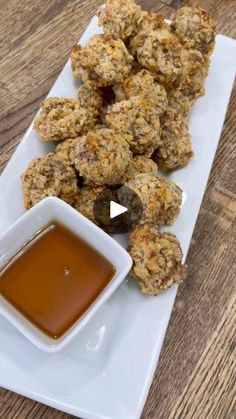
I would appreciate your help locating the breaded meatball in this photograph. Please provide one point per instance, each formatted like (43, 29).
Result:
(84, 202)
(143, 83)
(195, 29)
(64, 149)
(119, 18)
(61, 118)
(178, 105)
(138, 121)
(48, 176)
(102, 157)
(159, 52)
(151, 21)
(173, 200)
(157, 259)
(194, 72)
(90, 99)
(103, 62)
(176, 149)
(140, 164)
(161, 198)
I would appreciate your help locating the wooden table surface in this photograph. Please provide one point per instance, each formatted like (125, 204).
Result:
(196, 374)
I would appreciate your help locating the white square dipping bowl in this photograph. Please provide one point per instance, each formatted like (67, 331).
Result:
(38, 217)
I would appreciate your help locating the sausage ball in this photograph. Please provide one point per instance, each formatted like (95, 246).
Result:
(61, 118)
(102, 157)
(138, 121)
(159, 52)
(151, 21)
(176, 149)
(104, 61)
(157, 259)
(48, 176)
(143, 83)
(91, 100)
(161, 199)
(178, 105)
(85, 200)
(195, 29)
(194, 72)
(140, 164)
(119, 18)
(65, 149)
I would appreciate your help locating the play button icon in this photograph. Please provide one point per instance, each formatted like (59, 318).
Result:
(116, 209)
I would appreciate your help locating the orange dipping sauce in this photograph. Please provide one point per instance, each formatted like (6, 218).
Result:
(55, 279)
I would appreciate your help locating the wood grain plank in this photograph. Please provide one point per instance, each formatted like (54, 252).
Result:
(195, 378)
(213, 372)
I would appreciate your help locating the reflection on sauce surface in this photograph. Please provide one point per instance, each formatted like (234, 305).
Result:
(55, 279)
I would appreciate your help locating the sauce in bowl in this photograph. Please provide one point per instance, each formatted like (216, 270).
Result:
(54, 279)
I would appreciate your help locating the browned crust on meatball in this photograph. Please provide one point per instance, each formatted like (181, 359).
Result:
(151, 21)
(119, 18)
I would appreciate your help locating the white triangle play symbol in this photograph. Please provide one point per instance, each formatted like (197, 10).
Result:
(116, 209)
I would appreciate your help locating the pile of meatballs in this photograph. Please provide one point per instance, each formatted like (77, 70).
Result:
(129, 119)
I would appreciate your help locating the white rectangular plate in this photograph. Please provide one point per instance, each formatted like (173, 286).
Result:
(106, 372)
